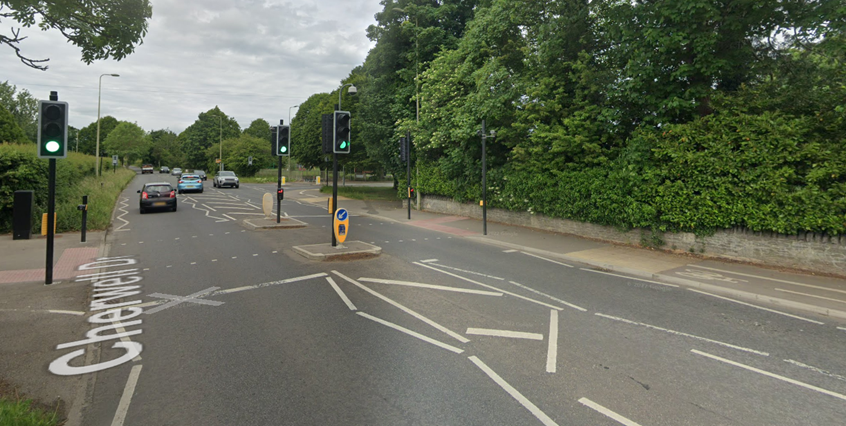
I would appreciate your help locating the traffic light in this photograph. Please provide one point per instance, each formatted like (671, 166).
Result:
(273, 139)
(403, 149)
(52, 129)
(283, 147)
(410, 192)
(341, 133)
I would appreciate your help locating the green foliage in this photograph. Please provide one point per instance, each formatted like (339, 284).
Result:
(22, 412)
(259, 128)
(128, 141)
(9, 129)
(237, 151)
(88, 135)
(364, 192)
(103, 29)
(210, 128)
(102, 192)
(306, 140)
(23, 107)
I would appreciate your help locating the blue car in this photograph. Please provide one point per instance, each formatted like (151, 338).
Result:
(189, 183)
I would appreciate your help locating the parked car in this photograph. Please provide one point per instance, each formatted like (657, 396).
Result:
(189, 182)
(157, 195)
(147, 168)
(176, 171)
(164, 169)
(226, 178)
(201, 173)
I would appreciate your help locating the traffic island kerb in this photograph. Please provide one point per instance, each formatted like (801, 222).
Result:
(270, 223)
(350, 250)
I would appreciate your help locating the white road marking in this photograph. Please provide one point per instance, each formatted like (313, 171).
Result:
(679, 333)
(432, 286)
(412, 333)
(341, 294)
(275, 251)
(773, 375)
(230, 217)
(120, 330)
(176, 238)
(140, 242)
(469, 272)
(268, 284)
(548, 260)
(510, 251)
(124, 203)
(757, 307)
(513, 392)
(193, 263)
(194, 202)
(400, 241)
(428, 260)
(606, 412)
(552, 347)
(841, 328)
(234, 257)
(529, 299)
(548, 296)
(811, 295)
(437, 326)
(255, 254)
(504, 333)
(126, 398)
(208, 207)
(193, 236)
(246, 213)
(816, 370)
(168, 266)
(770, 279)
(123, 244)
(226, 233)
(214, 260)
(191, 298)
(146, 269)
(627, 277)
(61, 311)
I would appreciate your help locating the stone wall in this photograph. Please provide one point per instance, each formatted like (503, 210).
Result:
(807, 251)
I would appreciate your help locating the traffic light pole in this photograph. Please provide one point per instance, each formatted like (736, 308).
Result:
(334, 195)
(484, 184)
(278, 188)
(51, 219)
(408, 171)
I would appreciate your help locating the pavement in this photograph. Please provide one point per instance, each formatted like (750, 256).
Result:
(34, 316)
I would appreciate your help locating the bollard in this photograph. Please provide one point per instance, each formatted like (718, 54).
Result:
(84, 208)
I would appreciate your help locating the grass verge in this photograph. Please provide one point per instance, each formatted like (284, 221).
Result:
(102, 194)
(21, 412)
(364, 192)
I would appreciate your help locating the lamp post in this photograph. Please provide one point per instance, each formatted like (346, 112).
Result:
(352, 90)
(97, 149)
(290, 136)
(484, 177)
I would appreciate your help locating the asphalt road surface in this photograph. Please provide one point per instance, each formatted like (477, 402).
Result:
(238, 329)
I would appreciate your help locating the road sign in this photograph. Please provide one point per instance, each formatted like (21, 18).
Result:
(217, 160)
(114, 160)
(250, 160)
(341, 224)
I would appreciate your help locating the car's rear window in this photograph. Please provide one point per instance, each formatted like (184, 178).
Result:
(158, 188)
(226, 174)
(190, 177)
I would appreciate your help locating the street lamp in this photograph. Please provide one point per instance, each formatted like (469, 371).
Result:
(99, 92)
(352, 91)
(290, 136)
(485, 136)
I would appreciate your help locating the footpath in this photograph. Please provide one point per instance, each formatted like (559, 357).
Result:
(767, 287)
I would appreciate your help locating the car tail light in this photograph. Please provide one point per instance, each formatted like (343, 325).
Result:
(181, 181)
(144, 195)
(172, 194)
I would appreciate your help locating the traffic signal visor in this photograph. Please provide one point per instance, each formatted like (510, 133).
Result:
(52, 129)
(342, 132)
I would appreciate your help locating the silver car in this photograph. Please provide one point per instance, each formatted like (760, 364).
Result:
(225, 178)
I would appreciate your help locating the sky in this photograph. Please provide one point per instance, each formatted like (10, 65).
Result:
(252, 58)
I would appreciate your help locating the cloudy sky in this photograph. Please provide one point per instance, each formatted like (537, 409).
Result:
(252, 58)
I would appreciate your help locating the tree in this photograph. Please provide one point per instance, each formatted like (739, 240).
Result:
(238, 150)
(128, 140)
(162, 148)
(23, 106)
(103, 29)
(209, 128)
(88, 135)
(9, 129)
(306, 137)
(259, 128)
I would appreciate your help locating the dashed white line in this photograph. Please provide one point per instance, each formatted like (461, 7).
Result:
(275, 251)
(513, 392)
(627, 277)
(193, 263)
(552, 347)
(61, 311)
(756, 307)
(606, 412)
(412, 333)
(773, 375)
(255, 254)
(529, 299)
(234, 257)
(214, 260)
(431, 286)
(168, 266)
(126, 398)
(341, 294)
(409, 311)
(428, 260)
(841, 328)
(510, 251)
(679, 333)
(504, 333)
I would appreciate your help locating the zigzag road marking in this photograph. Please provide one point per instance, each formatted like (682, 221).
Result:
(194, 202)
(124, 203)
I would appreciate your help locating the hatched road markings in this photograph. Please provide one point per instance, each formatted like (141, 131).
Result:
(756, 307)
(606, 412)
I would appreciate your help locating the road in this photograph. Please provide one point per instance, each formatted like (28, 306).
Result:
(238, 329)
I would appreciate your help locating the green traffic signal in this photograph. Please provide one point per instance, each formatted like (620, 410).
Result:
(343, 144)
(52, 129)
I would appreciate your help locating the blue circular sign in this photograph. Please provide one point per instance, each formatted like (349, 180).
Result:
(341, 214)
